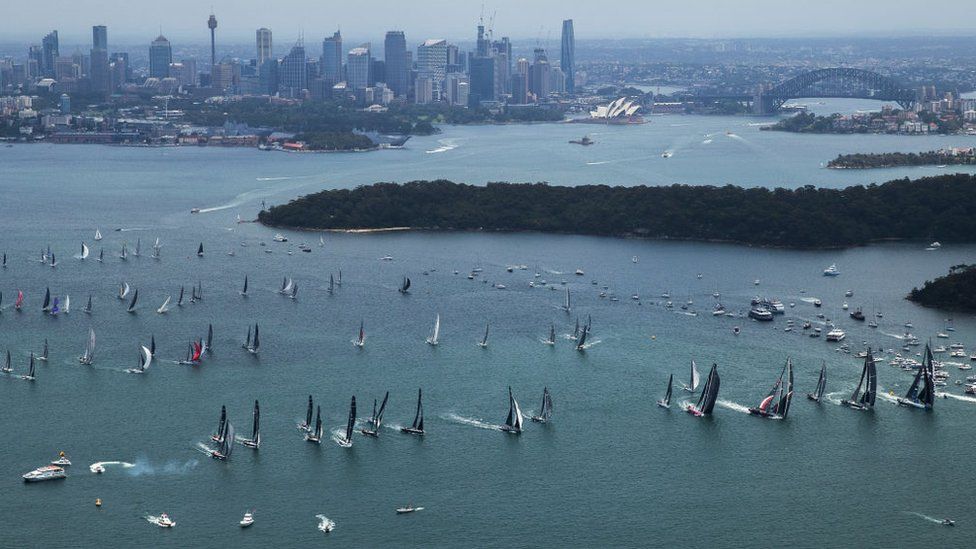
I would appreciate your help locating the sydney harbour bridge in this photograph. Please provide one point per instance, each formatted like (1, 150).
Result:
(833, 82)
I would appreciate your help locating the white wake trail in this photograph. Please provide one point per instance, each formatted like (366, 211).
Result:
(734, 406)
(474, 422)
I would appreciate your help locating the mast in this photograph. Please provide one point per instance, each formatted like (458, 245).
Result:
(47, 300)
(318, 422)
(667, 394)
(378, 417)
(256, 430)
(135, 298)
(222, 423)
(209, 337)
(709, 394)
(244, 292)
(308, 413)
(484, 340)
(695, 376)
(256, 342)
(247, 342)
(351, 423)
(787, 395)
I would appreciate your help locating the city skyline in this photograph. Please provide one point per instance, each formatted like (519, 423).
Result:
(184, 21)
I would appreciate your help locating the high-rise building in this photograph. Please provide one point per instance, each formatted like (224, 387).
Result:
(35, 61)
(540, 83)
(432, 63)
(397, 69)
(482, 80)
(101, 80)
(292, 73)
(331, 64)
(212, 25)
(263, 37)
(51, 53)
(160, 56)
(567, 56)
(122, 71)
(357, 68)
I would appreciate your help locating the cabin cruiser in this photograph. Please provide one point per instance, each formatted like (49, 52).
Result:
(831, 271)
(760, 314)
(278, 237)
(48, 472)
(96, 468)
(836, 334)
(165, 522)
(408, 509)
(247, 520)
(62, 460)
(817, 303)
(858, 315)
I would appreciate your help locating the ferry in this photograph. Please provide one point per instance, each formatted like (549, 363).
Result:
(836, 334)
(831, 271)
(760, 314)
(48, 472)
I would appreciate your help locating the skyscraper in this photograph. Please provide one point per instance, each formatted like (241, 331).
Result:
(160, 56)
(263, 37)
(212, 25)
(567, 56)
(397, 70)
(432, 62)
(51, 53)
(482, 71)
(100, 78)
(357, 68)
(292, 74)
(539, 76)
(331, 64)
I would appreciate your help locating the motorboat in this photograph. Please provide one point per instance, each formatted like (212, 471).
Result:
(194, 210)
(278, 237)
(817, 303)
(858, 315)
(165, 522)
(760, 314)
(836, 334)
(948, 522)
(62, 460)
(247, 520)
(48, 472)
(96, 468)
(831, 271)
(408, 509)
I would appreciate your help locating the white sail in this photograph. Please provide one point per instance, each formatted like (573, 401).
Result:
(124, 290)
(695, 376)
(146, 358)
(84, 251)
(165, 306)
(67, 304)
(517, 420)
(435, 335)
(98, 235)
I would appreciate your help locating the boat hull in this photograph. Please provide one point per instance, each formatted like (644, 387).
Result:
(694, 411)
(369, 433)
(412, 431)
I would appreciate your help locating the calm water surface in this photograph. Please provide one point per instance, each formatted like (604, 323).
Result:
(612, 469)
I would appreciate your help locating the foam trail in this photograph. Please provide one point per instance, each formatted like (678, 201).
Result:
(142, 466)
(591, 344)
(808, 299)
(272, 178)
(957, 397)
(337, 436)
(883, 395)
(706, 142)
(102, 464)
(325, 524)
(734, 406)
(926, 517)
(152, 519)
(834, 398)
(237, 200)
(394, 426)
(600, 163)
(446, 145)
(472, 422)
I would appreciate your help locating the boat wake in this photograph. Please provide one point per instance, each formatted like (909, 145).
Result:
(925, 517)
(337, 436)
(101, 465)
(325, 523)
(957, 397)
(471, 421)
(393, 426)
(445, 145)
(896, 336)
(202, 448)
(808, 299)
(706, 142)
(601, 162)
(152, 519)
(142, 467)
(884, 395)
(587, 346)
(734, 406)
(238, 200)
(834, 398)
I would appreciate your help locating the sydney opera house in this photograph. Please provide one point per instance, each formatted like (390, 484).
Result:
(621, 111)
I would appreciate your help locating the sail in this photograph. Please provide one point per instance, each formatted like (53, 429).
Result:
(145, 359)
(552, 334)
(351, 423)
(912, 394)
(247, 342)
(418, 418)
(221, 424)
(787, 395)
(695, 376)
(318, 422)
(209, 337)
(47, 300)
(135, 298)
(581, 342)
(44, 351)
(256, 342)
(517, 413)
(54, 307)
(822, 382)
(331, 283)
(180, 300)
(927, 395)
(20, 300)
(244, 291)
(152, 345)
(200, 250)
(308, 414)
(6, 365)
(709, 394)
(378, 416)
(567, 304)
(256, 429)
(30, 367)
(164, 307)
(124, 290)
(88, 308)
(227, 445)
(84, 251)
(871, 389)
(101, 254)
(138, 246)
(545, 411)
(576, 330)
(197, 351)
(667, 394)
(98, 234)
(67, 303)
(484, 340)
(435, 334)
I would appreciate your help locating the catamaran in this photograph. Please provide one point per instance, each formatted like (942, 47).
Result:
(87, 309)
(244, 291)
(375, 420)
(695, 379)
(545, 411)
(124, 290)
(709, 394)
(551, 340)
(156, 247)
(346, 441)
(132, 304)
(179, 302)
(666, 401)
(89, 357)
(7, 368)
(776, 404)
(404, 286)
(84, 251)
(434, 337)
(484, 339)
(252, 345)
(124, 254)
(30, 370)
(316, 435)
(200, 250)
(361, 339)
(922, 392)
(145, 359)
(307, 425)
(417, 427)
(255, 440)
(818, 394)
(513, 423)
(869, 380)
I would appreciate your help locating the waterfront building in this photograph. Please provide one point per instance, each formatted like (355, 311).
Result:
(396, 66)
(567, 56)
(160, 57)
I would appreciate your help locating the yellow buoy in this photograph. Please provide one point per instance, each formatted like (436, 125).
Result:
(98, 502)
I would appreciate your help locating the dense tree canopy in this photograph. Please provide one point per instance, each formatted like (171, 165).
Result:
(955, 291)
(936, 208)
(895, 159)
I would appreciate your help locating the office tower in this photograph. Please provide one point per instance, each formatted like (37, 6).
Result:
(397, 69)
(357, 68)
(51, 53)
(557, 80)
(455, 88)
(539, 75)
(101, 80)
(567, 56)
(212, 25)
(190, 76)
(263, 37)
(331, 64)
(424, 90)
(377, 71)
(483, 44)
(122, 68)
(520, 88)
(65, 104)
(160, 56)
(482, 80)
(432, 62)
(35, 61)
(292, 73)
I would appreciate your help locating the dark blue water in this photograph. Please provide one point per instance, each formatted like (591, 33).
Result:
(612, 469)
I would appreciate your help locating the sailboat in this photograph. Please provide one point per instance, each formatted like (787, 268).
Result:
(581, 342)
(218, 435)
(101, 255)
(156, 247)
(513, 423)
(164, 308)
(551, 340)
(89, 357)
(124, 254)
(307, 425)
(484, 340)
(339, 277)
(566, 305)
(209, 348)
(132, 304)
(30, 370)
(545, 411)
(87, 309)
(709, 394)
(200, 250)
(4, 263)
(244, 291)
(316, 435)
(44, 352)
(193, 352)
(666, 401)
(55, 309)
(226, 444)
(434, 337)
(6, 365)
(376, 419)
(152, 345)
(286, 285)
(695, 379)
(138, 249)
(54, 261)
(255, 440)
(776, 404)
(346, 441)
(46, 306)
(179, 302)
(321, 242)
(922, 392)
(294, 291)
(576, 330)
(20, 300)
(123, 290)
(67, 304)
(145, 359)
(361, 340)
(98, 235)
(818, 394)
(84, 251)
(252, 345)
(869, 380)
(417, 427)
(404, 286)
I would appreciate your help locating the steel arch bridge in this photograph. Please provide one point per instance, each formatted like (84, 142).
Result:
(837, 82)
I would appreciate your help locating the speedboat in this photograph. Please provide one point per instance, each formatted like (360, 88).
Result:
(579, 272)
(48, 472)
(278, 237)
(408, 509)
(165, 522)
(62, 460)
(96, 468)
(948, 522)
(194, 210)
(325, 524)
(247, 520)
(817, 303)
(831, 271)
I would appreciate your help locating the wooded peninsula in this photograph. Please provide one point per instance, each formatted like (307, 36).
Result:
(955, 291)
(934, 208)
(862, 161)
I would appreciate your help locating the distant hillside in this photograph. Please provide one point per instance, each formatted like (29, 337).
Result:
(935, 208)
(955, 291)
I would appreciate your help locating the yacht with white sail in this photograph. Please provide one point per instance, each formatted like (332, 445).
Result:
(434, 338)
(694, 381)
(89, 357)
(417, 427)
(145, 359)
(513, 423)
(360, 340)
(545, 410)
(484, 340)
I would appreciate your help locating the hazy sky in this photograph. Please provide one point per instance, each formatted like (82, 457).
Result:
(185, 20)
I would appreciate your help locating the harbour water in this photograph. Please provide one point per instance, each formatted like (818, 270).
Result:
(612, 469)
